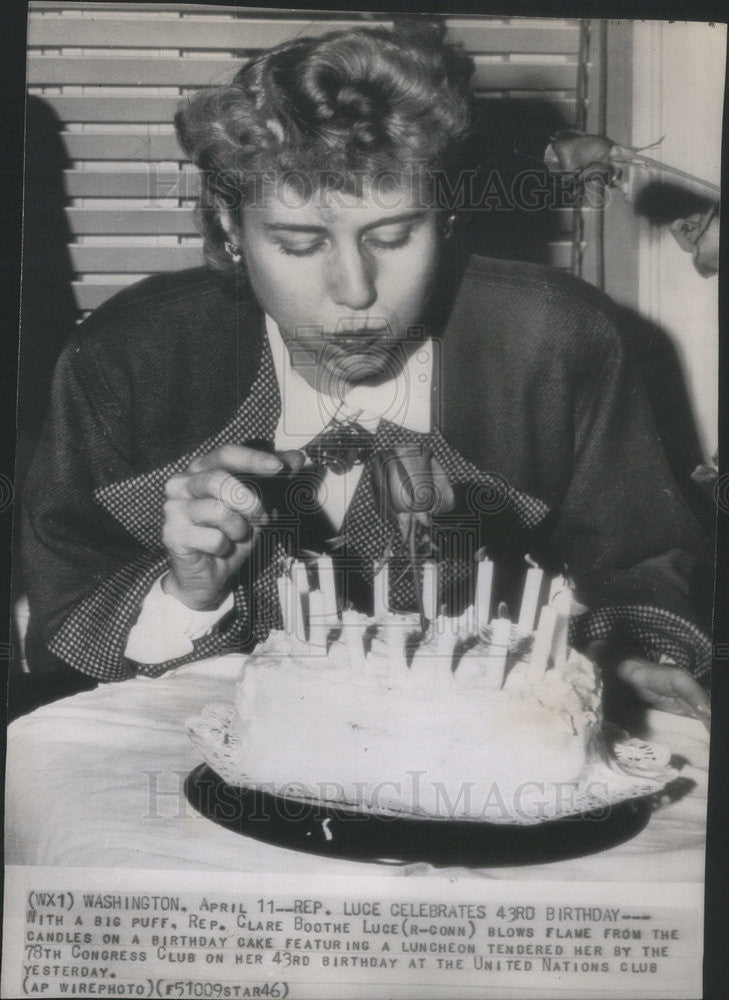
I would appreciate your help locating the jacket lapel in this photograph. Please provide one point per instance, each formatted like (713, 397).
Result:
(137, 502)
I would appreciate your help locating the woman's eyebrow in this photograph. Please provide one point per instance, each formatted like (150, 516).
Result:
(291, 227)
(393, 220)
(390, 220)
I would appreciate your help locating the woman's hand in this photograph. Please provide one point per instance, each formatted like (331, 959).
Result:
(666, 687)
(211, 522)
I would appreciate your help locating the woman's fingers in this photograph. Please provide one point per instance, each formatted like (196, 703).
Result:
(215, 476)
(690, 691)
(215, 514)
(219, 486)
(238, 458)
(668, 687)
(187, 537)
(210, 513)
(176, 487)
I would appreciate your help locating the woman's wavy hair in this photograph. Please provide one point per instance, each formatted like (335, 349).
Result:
(335, 110)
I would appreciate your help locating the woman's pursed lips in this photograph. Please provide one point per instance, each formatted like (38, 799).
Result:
(361, 339)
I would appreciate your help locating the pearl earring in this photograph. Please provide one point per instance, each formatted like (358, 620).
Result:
(447, 227)
(234, 251)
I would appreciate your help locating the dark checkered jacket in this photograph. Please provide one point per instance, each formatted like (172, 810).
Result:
(538, 412)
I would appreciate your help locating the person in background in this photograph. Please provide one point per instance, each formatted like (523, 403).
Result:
(323, 313)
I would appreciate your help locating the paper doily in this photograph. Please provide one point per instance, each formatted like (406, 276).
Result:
(626, 768)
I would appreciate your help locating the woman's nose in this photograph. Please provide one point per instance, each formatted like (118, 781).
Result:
(351, 280)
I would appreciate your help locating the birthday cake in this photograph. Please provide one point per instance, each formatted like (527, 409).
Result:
(462, 720)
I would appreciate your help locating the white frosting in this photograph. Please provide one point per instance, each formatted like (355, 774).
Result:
(358, 725)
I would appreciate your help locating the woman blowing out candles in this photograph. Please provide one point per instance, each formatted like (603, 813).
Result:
(325, 170)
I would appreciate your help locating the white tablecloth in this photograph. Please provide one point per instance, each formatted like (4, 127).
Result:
(96, 780)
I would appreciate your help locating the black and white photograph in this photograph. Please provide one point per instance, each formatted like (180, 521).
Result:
(364, 504)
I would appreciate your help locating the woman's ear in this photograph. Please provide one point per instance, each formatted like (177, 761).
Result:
(225, 218)
(231, 246)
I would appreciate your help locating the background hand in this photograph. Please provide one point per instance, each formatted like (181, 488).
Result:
(666, 687)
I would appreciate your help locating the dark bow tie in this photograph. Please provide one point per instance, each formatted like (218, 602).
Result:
(340, 446)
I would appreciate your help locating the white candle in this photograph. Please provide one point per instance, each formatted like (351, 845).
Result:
(543, 641)
(495, 661)
(430, 590)
(300, 599)
(562, 604)
(286, 600)
(299, 577)
(328, 587)
(530, 599)
(318, 625)
(484, 581)
(381, 590)
(467, 622)
(558, 583)
(353, 634)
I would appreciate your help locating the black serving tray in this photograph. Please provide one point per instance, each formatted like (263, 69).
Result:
(359, 836)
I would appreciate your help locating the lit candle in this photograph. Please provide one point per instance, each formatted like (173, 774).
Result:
(495, 660)
(353, 634)
(318, 625)
(381, 589)
(543, 642)
(430, 590)
(530, 599)
(328, 587)
(484, 581)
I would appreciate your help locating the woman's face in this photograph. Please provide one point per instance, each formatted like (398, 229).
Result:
(343, 276)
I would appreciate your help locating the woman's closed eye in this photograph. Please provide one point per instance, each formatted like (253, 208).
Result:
(390, 239)
(301, 250)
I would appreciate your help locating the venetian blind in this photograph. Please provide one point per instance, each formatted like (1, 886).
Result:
(113, 73)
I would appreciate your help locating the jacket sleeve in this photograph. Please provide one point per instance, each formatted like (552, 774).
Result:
(87, 575)
(640, 562)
